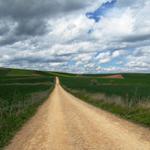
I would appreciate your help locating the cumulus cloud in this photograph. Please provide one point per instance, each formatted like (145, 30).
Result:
(105, 57)
(59, 35)
(30, 16)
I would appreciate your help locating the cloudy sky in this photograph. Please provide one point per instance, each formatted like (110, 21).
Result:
(82, 36)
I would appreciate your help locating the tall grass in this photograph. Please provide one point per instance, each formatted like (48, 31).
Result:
(132, 89)
(20, 96)
(128, 98)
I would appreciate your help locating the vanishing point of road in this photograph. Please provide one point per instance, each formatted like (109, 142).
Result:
(64, 122)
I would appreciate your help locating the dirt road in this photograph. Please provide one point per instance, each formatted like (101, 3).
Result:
(64, 122)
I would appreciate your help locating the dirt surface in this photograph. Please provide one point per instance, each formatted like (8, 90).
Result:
(118, 76)
(64, 122)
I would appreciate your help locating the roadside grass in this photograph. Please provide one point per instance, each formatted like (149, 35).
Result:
(128, 98)
(20, 96)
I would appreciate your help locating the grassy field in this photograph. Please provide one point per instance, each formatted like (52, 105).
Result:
(21, 92)
(128, 97)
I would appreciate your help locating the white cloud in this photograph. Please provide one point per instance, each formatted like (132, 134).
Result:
(115, 25)
(139, 58)
(118, 53)
(106, 57)
(68, 45)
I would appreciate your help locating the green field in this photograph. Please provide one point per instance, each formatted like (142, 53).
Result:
(128, 97)
(21, 92)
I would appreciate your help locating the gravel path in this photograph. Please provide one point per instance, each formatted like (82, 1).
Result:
(64, 122)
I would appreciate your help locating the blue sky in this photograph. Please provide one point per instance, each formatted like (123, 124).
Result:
(90, 36)
(101, 10)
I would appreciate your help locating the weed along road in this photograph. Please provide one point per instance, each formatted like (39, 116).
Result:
(64, 122)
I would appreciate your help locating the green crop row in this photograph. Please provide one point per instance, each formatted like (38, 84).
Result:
(20, 96)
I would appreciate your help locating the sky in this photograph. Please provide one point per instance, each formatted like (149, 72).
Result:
(90, 36)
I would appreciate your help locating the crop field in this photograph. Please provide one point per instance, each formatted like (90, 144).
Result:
(21, 92)
(128, 97)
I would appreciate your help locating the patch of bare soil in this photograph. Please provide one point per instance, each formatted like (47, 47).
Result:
(118, 76)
